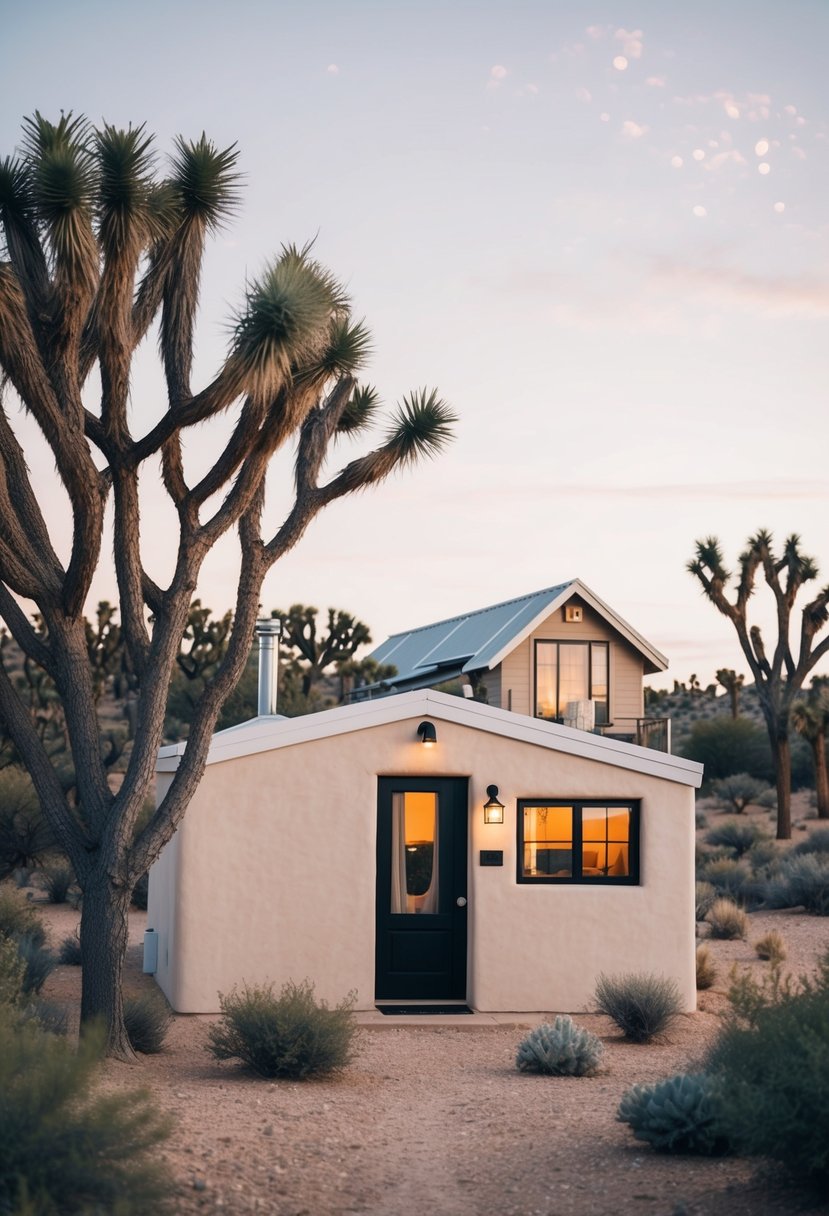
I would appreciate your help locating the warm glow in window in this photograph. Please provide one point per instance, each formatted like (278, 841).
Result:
(414, 837)
(577, 842)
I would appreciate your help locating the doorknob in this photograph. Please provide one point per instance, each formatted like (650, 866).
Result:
(461, 901)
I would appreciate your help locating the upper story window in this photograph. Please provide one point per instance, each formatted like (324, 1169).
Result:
(571, 671)
(569, 841)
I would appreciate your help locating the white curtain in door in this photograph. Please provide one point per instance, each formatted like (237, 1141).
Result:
(401, 900)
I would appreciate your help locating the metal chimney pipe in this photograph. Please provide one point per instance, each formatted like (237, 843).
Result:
(268, 632)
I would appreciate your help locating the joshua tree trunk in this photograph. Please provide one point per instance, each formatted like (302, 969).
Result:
(104, 930)
(781, 754)
(821, 776)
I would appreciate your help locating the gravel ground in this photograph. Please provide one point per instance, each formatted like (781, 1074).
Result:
(438, 1119)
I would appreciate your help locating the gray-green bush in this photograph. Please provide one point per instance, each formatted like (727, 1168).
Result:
(816, 842)
(69, 951)
(562, 1049)
(18, 917)
(680, 1115)
(57, 881)
(772, 1062)
(801, 881)
(66, 1149)
(147, 1018)
(38, 962)
(737, 836)
(738, 791)
(289, 1035)
(640, 1004)
(728, 876)
(24, 837)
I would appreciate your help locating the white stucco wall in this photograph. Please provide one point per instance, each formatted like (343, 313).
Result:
(272, 874)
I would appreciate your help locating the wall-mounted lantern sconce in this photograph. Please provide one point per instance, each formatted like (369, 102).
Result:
(427, 734)
(493, 809)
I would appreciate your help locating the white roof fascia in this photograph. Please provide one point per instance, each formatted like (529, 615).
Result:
(577, 587)
(271, 734)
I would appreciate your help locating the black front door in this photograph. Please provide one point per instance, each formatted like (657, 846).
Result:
(421, 888)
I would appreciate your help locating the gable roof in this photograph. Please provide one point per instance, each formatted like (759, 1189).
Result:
(480, 640)
(272, 733)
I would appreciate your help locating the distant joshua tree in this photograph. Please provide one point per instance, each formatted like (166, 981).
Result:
(779, 675)
(732, 683)
(811, 719)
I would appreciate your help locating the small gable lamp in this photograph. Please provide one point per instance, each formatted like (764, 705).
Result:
(427, 734)
(493, 809)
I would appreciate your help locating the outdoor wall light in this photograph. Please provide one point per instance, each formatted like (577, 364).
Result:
(493, 809)
(427, 734)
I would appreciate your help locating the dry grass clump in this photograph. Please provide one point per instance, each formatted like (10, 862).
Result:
(726, 921)
(706, 970)
(771, 948)
(641, 1005)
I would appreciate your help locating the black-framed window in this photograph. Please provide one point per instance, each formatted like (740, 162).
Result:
(577, 840)
(572, 671)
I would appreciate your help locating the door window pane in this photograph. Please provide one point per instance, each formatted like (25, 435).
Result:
(414, 879)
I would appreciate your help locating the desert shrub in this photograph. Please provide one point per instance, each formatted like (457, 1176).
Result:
(727, 876)
(140, 891)
(18, 917)
(290, 1035)
(771, 947)
(12, 970)
(680, 1115)
(729, 745)
(815, 842)
(147, 1019)
(66, 1149)
(773, 1066)
(801, 881)
(562, 1049)
(726, 921)
(705, 896)
(57, 881)
(22, 876)
(762, 854)
(38, 962)
(641, 1005)
(47, 1015)
(24, 837)
(706, 970)
(736, 836)
(69, 951)
(700, 819)
(738, 791)
(767, 800)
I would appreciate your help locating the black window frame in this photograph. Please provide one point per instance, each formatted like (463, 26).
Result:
(577, 878)
(559, 642)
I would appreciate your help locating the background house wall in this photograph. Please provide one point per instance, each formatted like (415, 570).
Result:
(272, 874)
(517, 673)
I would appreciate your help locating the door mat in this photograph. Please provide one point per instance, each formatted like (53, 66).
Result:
(404, 1010)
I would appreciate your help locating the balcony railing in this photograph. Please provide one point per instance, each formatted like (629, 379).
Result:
(654, 733)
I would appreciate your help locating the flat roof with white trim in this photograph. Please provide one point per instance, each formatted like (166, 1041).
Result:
(271, 733)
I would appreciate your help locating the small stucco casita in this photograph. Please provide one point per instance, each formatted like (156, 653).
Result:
(350, 847)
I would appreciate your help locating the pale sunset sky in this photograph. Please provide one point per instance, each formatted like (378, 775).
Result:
(599, 229)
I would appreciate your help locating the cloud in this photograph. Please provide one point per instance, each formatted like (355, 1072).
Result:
(497, 74)
(767, 295)
(724, 158)
(632, 130)
(595, 31)
(631, 41)
(584, 94)
(333, 69)
(656, 82)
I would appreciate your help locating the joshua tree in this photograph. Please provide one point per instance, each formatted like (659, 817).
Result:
(732, 683)
(780, 677)
(811, 719)
(312, 651)
(97, 247)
